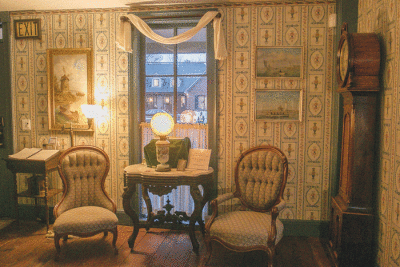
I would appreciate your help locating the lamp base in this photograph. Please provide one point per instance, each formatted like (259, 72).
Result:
(163, 168)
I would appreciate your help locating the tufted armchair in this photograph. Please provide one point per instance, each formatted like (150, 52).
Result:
(85, 208)
(260, 178)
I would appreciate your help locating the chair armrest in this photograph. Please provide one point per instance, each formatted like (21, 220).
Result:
(222, 198)
(214, 207)
(278, 208)
(281, 205)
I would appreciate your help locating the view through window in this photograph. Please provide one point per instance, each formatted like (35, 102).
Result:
(176, 77)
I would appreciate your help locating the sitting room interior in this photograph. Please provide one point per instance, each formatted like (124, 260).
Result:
(314, 79)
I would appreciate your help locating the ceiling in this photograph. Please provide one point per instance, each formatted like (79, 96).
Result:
(18, 5)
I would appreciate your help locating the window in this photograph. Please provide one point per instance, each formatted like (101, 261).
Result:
(183, 65)
(201, 102)
(184, 71)
(156, 82)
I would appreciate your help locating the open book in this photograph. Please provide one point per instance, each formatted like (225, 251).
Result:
(34, 154)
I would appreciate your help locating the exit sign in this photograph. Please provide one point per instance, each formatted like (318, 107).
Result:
(27, 28)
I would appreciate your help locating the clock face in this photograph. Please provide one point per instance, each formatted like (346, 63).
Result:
(344, 60)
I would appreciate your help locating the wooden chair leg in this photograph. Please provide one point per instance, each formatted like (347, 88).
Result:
(114, 242)
(271, 254)
(209, 250)
(57, 244)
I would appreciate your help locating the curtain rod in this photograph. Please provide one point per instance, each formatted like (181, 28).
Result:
(172, 17)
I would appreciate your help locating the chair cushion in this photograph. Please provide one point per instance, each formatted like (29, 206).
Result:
(84, 220)
(245, 228)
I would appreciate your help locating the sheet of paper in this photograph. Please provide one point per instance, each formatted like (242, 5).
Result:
(25, 153)
(199, 159)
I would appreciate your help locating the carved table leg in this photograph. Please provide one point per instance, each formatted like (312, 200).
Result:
(127, 197)
(196, 215)
(147, 200)
(207, 194)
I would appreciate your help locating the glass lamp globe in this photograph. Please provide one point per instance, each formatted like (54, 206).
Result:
(162, 125)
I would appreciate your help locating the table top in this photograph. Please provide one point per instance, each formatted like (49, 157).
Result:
(144, 171)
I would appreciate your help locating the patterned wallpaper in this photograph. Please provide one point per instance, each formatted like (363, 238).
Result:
(306, 143)
(382, 17)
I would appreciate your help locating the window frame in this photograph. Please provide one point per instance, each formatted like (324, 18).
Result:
(136, 81)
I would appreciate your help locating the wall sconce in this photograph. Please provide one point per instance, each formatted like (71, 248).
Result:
(162, 125)
(90, 112)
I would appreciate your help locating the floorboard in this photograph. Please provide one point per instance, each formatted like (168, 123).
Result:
(27, 245)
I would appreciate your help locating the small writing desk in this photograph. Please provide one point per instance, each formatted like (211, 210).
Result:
(161, 183)
(40, 167)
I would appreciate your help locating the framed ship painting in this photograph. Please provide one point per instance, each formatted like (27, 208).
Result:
(278, 105)
(70, 80)
(279, 62)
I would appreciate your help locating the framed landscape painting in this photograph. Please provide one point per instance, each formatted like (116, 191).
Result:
(279, 62)
(278, 105)
(70, 80)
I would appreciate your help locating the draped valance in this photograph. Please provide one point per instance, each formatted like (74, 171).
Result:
(125, 31)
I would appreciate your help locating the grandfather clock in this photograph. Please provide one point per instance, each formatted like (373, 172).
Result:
(352, 212)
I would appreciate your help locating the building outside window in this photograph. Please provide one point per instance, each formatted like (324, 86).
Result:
(182, 66)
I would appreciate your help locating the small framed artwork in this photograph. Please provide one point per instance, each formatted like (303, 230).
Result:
(52, 143)
(70, 80)
(278, 105)
(279, 62)
(181, 165)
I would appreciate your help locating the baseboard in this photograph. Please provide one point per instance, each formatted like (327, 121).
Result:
(306, 228)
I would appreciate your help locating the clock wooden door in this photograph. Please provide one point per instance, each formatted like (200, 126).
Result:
(352, 212)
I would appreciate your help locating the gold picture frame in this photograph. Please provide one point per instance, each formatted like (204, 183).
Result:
(279, 62)
(278, 105)
(70, 85)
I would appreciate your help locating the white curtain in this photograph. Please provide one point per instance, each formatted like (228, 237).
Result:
(124, 34)
(180, 197)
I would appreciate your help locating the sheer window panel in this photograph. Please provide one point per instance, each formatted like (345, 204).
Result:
(180, 197)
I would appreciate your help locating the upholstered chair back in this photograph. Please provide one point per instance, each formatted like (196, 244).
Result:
(83, 170)
(260, 177)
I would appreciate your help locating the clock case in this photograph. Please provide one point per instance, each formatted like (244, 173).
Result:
(363, 61)
(352, 212)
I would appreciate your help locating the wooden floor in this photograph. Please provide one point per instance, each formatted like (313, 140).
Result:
(28, 246)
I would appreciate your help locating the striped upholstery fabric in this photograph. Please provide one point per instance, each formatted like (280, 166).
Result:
(83, 171)
(245, 228)
(85, 220)
(260, 178)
